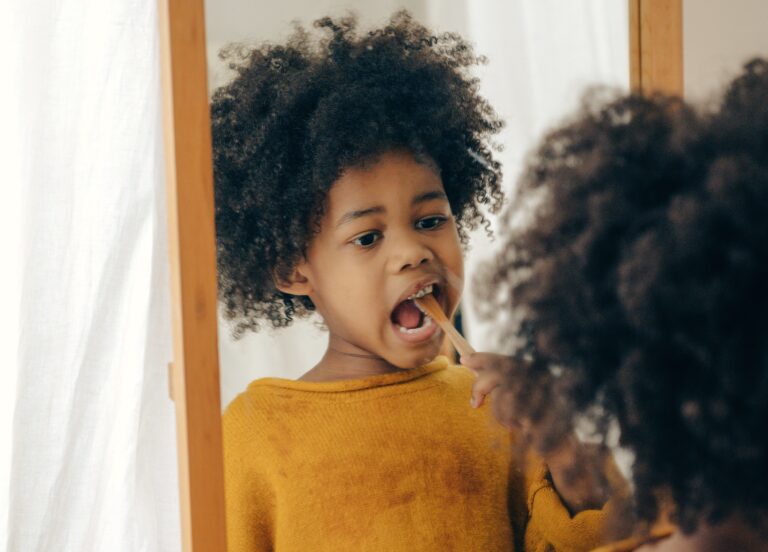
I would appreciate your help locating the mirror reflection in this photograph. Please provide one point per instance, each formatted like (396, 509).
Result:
(361, 158)
(362, 155)
(539, 59)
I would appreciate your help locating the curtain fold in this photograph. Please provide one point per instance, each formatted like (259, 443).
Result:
(93, 458)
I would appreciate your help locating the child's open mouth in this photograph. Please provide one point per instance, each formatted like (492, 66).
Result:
(411, 323)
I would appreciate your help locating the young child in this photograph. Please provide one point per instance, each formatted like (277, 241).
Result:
(348, 171)
(642, 286)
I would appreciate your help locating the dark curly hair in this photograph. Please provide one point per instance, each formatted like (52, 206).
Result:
(298, 114)
(638, 285)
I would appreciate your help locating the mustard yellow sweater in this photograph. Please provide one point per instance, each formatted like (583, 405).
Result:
(395, 462)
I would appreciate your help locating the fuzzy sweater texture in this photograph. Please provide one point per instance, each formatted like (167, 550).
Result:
(394, 462)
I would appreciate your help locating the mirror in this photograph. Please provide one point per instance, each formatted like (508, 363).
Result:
(540, 57)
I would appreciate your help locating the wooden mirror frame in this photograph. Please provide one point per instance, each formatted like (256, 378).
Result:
(194, 372)
(656, 46)
(656, 63)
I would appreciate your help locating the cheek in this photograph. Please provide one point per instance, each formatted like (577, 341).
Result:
(351, 291)
(453, 263)
(453, 260)
(457, 262)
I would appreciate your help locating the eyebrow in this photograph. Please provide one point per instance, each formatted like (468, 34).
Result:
(354, 215)
(429, 196)
(421, 198)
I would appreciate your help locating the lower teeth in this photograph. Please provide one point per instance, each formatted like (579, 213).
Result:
(427, 322)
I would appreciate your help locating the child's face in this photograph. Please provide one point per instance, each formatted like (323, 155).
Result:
(387, 232)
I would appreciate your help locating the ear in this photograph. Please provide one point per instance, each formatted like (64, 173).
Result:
(296, 284)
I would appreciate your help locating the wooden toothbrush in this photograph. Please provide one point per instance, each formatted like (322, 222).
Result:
(430, 305)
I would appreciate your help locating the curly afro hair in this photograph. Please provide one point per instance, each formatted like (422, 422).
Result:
(638, 288)
(297, 115)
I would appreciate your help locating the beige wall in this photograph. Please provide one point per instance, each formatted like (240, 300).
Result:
(256, 21)
(718, 37)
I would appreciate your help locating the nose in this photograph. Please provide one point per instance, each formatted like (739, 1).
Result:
(409, 252)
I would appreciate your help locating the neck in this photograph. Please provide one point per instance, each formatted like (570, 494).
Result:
(344, 360)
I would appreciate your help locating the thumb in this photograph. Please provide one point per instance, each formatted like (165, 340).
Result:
(484, 386)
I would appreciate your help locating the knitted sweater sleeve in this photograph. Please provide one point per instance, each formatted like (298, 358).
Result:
(550, 527)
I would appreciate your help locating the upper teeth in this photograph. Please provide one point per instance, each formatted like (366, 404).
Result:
(422, 292)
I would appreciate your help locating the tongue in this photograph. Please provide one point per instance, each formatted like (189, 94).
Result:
(407, 314)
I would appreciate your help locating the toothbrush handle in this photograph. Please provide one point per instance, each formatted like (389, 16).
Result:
(431, 306)
(461, 345)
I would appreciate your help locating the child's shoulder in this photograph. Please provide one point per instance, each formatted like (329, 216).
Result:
(249, 409)
(244, 409)
(254, 419)
(456, 376)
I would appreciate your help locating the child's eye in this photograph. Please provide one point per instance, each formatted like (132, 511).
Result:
(367, 240)
(430, 223)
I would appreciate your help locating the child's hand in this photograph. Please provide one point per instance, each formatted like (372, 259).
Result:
(491, 371)
(576, 470)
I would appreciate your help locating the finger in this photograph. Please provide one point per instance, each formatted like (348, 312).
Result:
(484, 384)
(466, 360)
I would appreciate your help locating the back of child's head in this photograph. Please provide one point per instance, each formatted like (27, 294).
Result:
(640, 288)
(298, 114)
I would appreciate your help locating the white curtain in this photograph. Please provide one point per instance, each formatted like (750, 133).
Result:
(92, 466)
